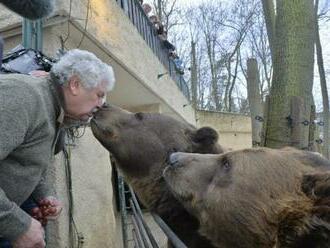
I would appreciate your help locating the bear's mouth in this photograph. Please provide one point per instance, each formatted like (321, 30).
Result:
(170, 179)
(95, 124)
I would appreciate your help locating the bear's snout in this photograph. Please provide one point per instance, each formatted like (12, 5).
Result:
(174, 159)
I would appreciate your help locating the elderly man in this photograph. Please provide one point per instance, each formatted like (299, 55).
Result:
(32, 110)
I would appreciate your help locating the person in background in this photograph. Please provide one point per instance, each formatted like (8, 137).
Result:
(157, 24)
(33, 111)
(146, 8)
(177, 62)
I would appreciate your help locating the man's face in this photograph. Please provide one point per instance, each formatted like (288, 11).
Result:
(81, 102)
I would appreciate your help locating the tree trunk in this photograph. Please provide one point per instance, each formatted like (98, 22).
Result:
(193, 71)
(159, 8)
(214, 82)
(269, 13)
(324, 89)
(253, 83)
(233, 82)
(293, 71)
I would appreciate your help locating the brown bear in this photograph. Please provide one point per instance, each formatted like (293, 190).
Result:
(255, 197)
(141, 144)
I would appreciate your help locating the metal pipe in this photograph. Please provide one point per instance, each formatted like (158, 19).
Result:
(149, 233)
(136, 234)
(123, 210)
(176, 242)
(139, 223)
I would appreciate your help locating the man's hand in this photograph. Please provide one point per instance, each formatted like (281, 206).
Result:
(32, 238)
(38, 73)
(50, 207)
(36, 213)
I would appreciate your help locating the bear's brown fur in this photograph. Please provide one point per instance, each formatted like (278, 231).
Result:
(256, 197)
(141, 144)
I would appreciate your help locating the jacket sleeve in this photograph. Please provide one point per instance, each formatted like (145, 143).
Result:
(13, 220)
(13, 127)
(43, 189)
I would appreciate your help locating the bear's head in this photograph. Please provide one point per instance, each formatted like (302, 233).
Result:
(141, 142)
(251, 197)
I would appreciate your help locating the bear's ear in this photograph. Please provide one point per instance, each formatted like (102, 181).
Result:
(139, 116)
(316, 185)
(205, 136)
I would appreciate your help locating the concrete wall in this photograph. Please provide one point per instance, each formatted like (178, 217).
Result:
(234, 129)
(111, 27)
(93, 207)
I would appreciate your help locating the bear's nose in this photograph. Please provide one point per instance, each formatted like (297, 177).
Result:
(105, 106)
(174, 159)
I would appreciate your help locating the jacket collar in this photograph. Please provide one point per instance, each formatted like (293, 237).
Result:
(58, 98)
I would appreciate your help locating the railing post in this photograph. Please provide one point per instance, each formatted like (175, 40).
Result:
(32, 34)
(123, 210)
(125, 6)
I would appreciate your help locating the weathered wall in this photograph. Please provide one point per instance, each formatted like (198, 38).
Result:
(234, 129)
(92, 190)
(93, 206)
(111, 27)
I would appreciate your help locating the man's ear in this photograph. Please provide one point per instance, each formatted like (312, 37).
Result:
(205, 136)
(74, 85)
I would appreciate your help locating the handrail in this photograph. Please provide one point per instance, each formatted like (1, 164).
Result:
(169, 233)
(141, 233)
(139, 213)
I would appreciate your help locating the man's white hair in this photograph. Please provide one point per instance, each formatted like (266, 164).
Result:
(90, 70)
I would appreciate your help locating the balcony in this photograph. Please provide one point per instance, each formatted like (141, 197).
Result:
(135, 13)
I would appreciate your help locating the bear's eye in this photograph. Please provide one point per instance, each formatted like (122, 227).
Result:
(139, 116)
(226, 165)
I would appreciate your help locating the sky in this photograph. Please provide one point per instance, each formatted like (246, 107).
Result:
(325, 42)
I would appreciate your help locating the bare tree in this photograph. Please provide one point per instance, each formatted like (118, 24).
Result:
(269, 14)
(168, 13)
(323, 82)
(193, 70)
(219, 31)
(209, 20)
(260, 50)
(239, 23)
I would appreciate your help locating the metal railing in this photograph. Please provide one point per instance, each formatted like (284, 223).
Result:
(135, 13)
(131, 214)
